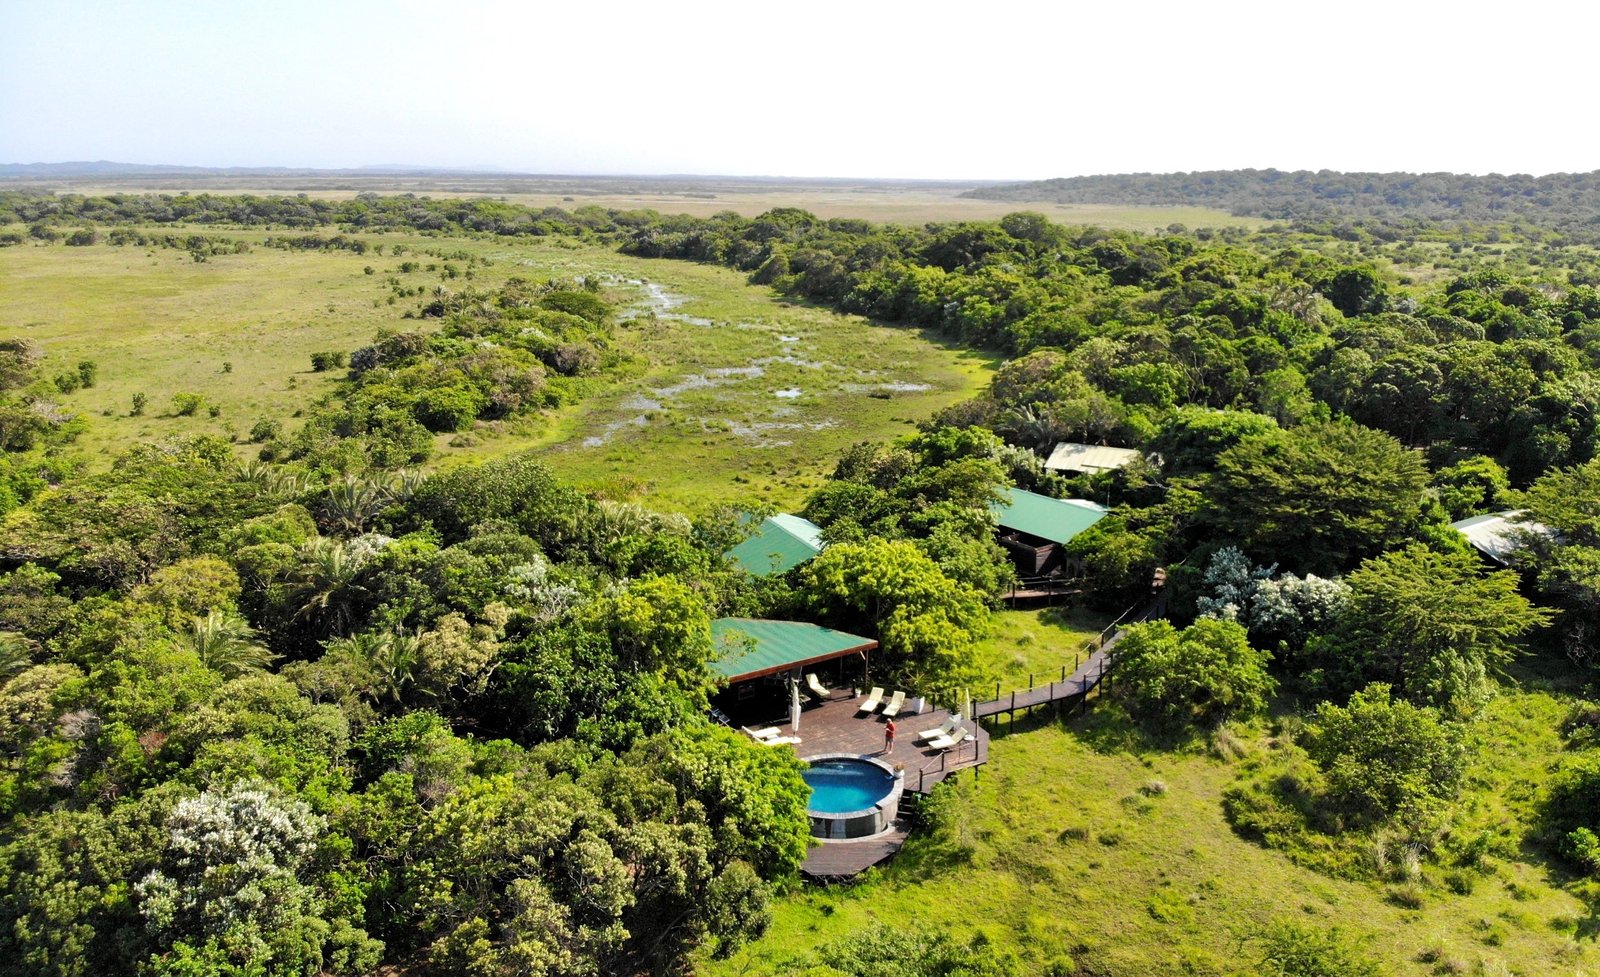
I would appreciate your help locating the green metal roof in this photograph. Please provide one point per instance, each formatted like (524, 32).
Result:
(1057, 520)
(749, 647)
(778, 545)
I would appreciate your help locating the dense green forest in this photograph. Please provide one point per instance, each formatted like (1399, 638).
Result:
(300, 704)
(1566, 202)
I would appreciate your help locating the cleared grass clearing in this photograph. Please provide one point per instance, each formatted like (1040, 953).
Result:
(1070, 849)
(733, 392)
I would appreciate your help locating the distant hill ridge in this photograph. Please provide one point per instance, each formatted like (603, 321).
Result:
(108, 168)
(1557, 198)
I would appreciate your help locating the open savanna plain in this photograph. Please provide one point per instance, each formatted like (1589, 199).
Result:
(728, 391)
(874, 200)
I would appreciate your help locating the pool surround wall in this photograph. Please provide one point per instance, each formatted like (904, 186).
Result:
(847, 825)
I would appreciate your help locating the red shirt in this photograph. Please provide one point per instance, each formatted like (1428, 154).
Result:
(888, 729)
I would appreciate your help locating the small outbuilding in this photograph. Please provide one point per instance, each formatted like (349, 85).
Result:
(779, 544)
(1070, 456)
(1495, 534)
(1034, 528)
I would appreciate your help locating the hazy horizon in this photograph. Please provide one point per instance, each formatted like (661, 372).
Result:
(924, 92)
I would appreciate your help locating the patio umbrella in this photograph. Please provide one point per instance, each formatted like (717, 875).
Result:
(966, 703)
(794, 705)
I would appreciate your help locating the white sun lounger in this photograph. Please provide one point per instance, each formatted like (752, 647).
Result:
(893, 708)
(943, 729)
(949, 740)
(781, 741)
(873, 701)
(815, 685)
(762, 735)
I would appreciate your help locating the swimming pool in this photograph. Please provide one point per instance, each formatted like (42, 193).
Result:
(843, 784)
(851, 796)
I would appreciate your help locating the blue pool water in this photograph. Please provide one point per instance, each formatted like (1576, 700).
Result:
(842, 785)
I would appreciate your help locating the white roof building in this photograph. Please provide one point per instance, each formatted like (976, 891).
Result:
(1093, 458)
(1495, 535)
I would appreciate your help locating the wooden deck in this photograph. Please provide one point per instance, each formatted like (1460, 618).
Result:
(835, 727)
(839, 860)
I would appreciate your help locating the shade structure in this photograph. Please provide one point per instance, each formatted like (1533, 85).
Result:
(748, 648)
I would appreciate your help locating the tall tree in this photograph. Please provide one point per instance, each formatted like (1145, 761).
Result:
(1316, 498)
(1428, 623)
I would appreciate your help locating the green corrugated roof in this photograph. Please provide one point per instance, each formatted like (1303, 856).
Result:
(1057, 520)
(749, 647)
(778, 545)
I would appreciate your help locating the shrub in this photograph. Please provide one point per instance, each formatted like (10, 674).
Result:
(186, 405)
(1203, 674)
(81, 238)
(1294, 949)
(139, 402)
(88, 372)
(68, 382)
(449, 408)
(1385, 758)
(265, 429)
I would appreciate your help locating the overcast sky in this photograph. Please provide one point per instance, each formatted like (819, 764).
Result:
(976, 89)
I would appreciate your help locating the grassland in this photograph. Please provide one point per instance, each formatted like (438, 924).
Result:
(888, 201)
(732, 393)
(1081, 853)
(1032, 644)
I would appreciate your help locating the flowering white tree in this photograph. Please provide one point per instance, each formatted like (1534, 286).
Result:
(232, 886)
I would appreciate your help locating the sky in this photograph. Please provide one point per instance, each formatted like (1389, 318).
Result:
(981, 89)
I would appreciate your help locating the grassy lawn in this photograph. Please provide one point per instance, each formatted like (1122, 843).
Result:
(1069, 848)
(1036, 643)
(733, 394)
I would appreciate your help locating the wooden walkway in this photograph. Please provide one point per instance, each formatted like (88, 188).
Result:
(1074, 687)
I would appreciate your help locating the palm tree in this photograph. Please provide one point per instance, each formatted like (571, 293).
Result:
(16, 654)
(394, 660)
(352, 503)
(226, 643)
(325, 584)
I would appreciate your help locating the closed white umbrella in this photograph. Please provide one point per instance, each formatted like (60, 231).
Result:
(966, 704)
(794, 705)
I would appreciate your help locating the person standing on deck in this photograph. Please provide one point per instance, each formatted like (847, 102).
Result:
(888, 736)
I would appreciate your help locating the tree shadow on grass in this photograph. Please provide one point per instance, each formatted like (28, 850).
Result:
(1107, 728)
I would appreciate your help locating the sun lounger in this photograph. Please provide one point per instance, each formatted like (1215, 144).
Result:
(873, 701)
(893, 708)
(943, 729)
(815, 686)
(781, 741)
(762, 735)
(949, 740)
